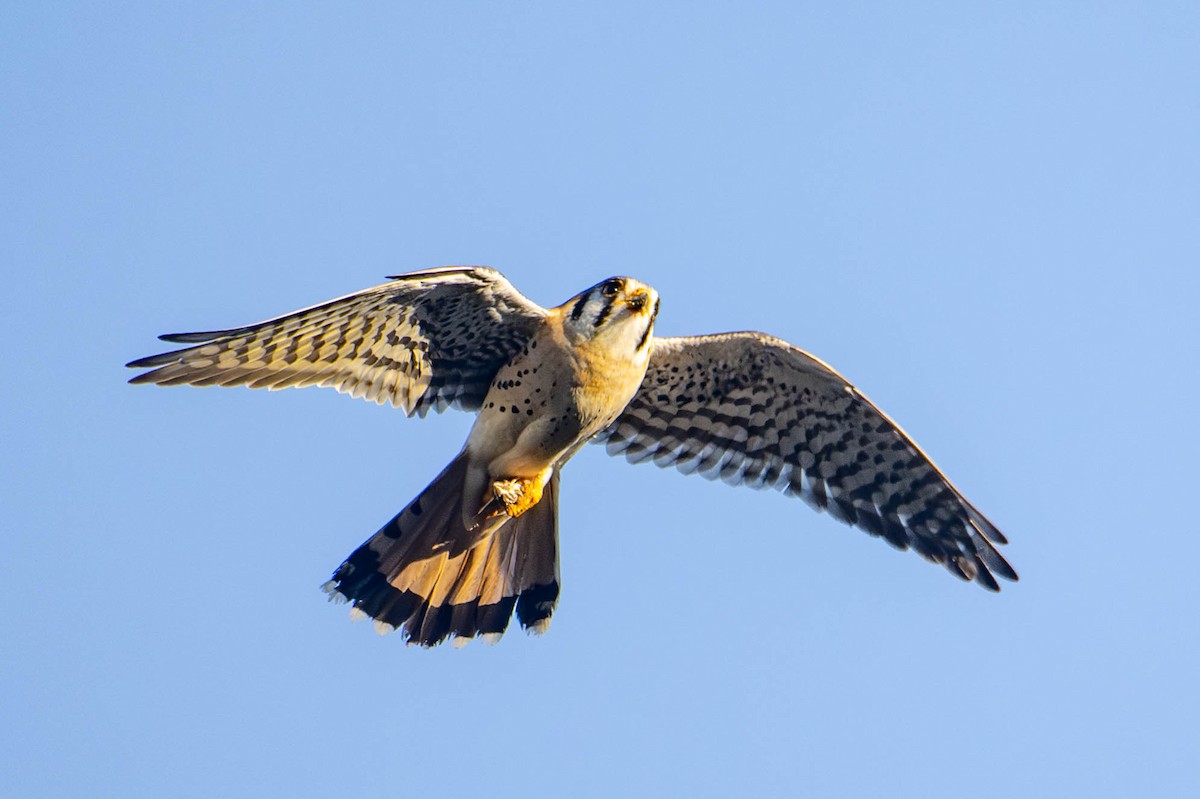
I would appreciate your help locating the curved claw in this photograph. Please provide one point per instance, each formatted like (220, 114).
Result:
(518, 494)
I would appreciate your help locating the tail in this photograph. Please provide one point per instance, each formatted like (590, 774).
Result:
(424, 573)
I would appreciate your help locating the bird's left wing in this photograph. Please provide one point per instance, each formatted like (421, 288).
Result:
(429, 339)
(754, 410)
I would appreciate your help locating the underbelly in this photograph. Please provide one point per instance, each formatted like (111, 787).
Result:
(539, 411)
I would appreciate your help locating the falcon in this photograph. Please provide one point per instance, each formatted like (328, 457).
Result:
(481, 541)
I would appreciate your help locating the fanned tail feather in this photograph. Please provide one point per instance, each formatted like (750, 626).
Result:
(429, 576)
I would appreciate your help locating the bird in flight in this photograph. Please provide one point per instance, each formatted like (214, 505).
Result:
(481, 541)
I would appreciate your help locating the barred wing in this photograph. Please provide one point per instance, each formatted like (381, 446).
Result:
(754, 410)
(429, 339)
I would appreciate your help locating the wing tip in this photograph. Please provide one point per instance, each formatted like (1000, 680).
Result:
(987, 567)
(191, 338)
(1003, 569)
(150, 361)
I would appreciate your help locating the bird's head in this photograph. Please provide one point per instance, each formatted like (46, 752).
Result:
(618, 312)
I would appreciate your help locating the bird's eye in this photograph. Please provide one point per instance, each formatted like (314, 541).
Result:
(611, 288)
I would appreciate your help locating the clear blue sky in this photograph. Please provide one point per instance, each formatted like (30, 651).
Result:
(987, 216)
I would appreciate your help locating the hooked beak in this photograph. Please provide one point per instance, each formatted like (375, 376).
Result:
(638, 299)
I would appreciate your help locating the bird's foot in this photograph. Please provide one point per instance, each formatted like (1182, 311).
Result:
(518, 494)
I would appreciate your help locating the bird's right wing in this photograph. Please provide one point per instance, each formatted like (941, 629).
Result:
(429, 339)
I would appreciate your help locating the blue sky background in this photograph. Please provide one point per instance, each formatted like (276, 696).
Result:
(986, 215)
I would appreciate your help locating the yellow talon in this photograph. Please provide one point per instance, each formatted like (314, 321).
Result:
(518, 494)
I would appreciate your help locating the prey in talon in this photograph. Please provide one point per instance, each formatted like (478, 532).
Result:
(518, 495)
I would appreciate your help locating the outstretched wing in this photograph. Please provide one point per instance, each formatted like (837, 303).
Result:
(754, 410)
(429, 339)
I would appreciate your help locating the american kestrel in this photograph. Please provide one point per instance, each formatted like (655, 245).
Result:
(482, 539)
